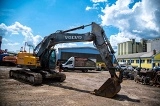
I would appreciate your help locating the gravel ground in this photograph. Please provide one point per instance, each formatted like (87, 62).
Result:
(74, 91)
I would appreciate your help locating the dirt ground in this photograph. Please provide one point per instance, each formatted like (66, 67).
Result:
(74, 91)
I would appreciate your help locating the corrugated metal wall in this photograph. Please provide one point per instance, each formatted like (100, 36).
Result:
(88, 52)
(66, 55)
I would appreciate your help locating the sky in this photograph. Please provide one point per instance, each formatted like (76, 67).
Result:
(31, 20)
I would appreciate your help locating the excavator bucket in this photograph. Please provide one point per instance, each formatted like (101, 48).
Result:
(109, 89)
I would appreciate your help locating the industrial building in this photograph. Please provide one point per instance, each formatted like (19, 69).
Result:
(131, 47)
(145, 54)
(153, 45)
(88, 52)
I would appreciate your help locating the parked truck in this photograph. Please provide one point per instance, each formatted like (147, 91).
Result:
(79, 63)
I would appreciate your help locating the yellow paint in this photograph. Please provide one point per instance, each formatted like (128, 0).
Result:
(24, 58)
(156, 60)
(157, 57)
(135, 64)
(143, 65)
(101, 64)
(146, 65)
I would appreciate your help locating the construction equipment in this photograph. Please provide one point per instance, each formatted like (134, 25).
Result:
(7, 59)
(42, 62)
(79, 63)
(10, 60)
(101, 66)
(148, 76)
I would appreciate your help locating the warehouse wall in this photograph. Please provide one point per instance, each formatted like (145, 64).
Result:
(89, 52)
(66, 55)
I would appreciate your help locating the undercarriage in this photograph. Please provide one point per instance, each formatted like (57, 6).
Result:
(36, 78)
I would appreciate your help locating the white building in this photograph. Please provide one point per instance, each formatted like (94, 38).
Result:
(153, 45)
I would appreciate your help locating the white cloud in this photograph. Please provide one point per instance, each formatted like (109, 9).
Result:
(12, 44)
(97, 1)
(4, 39)
(95, 6)
(88, 8)
(75, 44)
(122, 37)
(140, 21)
(88, 43)
(18, 28)
(63, 45)
(3, 29)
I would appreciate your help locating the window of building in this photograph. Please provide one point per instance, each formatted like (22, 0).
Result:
(142, 61)
(149, 60)
(137, 61)
(128, 61)
(132, 61)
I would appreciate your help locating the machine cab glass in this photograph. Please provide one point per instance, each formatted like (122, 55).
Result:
(52, 59)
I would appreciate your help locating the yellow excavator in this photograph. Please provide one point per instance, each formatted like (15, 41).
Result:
(41, 63)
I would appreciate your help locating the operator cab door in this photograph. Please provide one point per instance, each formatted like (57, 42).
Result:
(52, 59)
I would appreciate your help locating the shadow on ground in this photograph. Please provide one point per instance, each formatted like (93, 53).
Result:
(117, 97)
(79, 71)
(57, 84)
(125, 98)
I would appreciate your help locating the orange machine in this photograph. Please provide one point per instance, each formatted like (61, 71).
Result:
(9, 60)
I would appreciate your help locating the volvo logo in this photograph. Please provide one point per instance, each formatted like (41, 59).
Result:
(73, 37)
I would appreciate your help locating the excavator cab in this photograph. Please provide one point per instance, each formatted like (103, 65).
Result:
(52, 59)
(48, 59)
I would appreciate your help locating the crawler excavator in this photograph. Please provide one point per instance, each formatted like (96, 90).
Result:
(41, 63)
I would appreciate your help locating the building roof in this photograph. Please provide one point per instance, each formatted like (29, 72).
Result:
(135, 55)
(91, 50)
(78, 48)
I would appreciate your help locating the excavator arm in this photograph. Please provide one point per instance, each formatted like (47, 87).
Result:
(112, 86)
(97, 35)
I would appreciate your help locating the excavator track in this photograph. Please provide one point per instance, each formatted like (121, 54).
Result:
(35, 78)
(27, 76)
